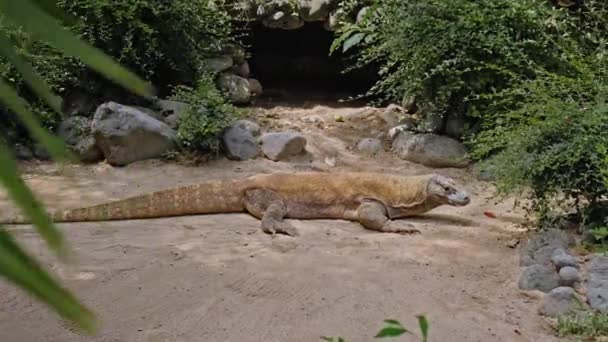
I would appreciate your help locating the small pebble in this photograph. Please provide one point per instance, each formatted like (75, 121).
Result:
(513, 243)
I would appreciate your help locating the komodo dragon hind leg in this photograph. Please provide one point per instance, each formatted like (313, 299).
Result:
(270, 208)
(373, 215)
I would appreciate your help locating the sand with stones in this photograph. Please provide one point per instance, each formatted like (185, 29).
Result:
(219, 278)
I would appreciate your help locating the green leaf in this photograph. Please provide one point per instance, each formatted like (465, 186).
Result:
(391, 332)
(352, 41)
(38, 85)
(45, 27)
(424, 327)
(14, 102)
(333, 339)
(393, 322)
(19, 268)
(24, 198)
(340, 40)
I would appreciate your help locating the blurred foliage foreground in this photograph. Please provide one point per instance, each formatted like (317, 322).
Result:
(42, 20)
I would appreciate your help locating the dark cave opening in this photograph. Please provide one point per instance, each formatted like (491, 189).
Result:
(295, 64)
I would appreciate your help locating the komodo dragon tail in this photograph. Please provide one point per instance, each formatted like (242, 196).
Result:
(206, 198)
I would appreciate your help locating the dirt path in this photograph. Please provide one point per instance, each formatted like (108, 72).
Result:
(219, 278)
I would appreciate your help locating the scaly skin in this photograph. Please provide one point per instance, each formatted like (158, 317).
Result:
(373, 199)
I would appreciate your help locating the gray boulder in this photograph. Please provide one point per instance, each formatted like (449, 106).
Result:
(235, 51)
(250, 126)
(76, 132)
(560, 258)
(569, 276)
(540, 248)
(255, 87)
(170, 107)
(539, 277)
(219, 64)
(149, 112)
(172, 121)
(281, 145)
(171, 111)
(559, 301)
(239, 143)
(125, 134)
(369, 146)
(235, 87)
(597, 284)
(430, 150)
(242, 69)
(87, 151)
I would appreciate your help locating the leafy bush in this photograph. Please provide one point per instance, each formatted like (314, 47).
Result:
(450, 57)
(554, 142)
(549, 133)
(207, 116)
(164, 41)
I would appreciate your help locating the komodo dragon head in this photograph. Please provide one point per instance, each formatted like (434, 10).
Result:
(444, 190)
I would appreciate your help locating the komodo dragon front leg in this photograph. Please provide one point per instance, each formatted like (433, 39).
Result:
(374, 215)
(268, 206)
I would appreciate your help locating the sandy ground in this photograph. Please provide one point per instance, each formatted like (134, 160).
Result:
(219, 278)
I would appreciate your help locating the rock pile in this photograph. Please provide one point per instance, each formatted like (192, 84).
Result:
(233, 74)
(549, 267)
(411, 142)
(123, 134)
(293, 14)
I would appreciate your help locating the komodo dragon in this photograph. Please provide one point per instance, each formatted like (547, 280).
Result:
(373, 199)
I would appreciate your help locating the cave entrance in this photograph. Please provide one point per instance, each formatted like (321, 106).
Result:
(295, 65)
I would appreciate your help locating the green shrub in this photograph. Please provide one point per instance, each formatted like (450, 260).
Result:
(554, 143)
(166, 42)
(447, 54)
(452, 56)
(549, 133)
(586, 22)
(201, 125)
